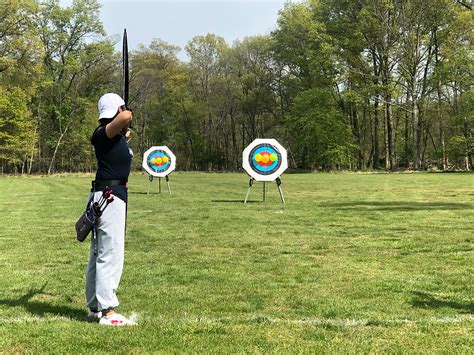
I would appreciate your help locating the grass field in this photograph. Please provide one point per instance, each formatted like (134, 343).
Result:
(352, 263)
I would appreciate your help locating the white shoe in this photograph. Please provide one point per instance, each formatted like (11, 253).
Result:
(116, 319)
(94, 316)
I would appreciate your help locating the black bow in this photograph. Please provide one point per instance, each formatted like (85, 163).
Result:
(125, 69)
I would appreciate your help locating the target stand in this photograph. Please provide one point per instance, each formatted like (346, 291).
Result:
(264, 160)
(278, 183)
(159, 162)
(150, 179)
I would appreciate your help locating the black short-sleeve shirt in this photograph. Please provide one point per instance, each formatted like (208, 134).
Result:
(114, 159)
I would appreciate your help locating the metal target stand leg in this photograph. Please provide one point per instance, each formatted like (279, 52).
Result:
(150, 179)
(248, 191)
(278, 182)
(168, 183)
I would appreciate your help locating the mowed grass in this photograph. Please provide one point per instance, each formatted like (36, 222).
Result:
(352, 263)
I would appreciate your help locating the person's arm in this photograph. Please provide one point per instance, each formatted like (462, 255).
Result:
(119, 123)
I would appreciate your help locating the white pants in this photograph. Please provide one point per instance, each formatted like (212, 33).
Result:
(106, 256)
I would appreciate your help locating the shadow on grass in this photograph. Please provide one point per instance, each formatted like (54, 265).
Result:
(145, 193)
(425, 300)
(397, 205)
(234, 201)
(42, 308)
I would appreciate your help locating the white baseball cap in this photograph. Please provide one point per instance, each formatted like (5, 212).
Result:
(109, 105)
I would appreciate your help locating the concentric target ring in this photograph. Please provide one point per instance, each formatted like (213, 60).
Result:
(265, 159)
(159, 161)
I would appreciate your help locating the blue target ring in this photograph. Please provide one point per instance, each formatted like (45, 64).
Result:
(265, 159)
(159, 161)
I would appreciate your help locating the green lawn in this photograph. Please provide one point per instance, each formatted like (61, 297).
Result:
(352, 263)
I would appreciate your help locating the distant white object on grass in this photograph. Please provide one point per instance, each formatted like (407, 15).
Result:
(264, 159)
(159, 161)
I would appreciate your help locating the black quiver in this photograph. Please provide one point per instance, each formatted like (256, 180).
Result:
(85, 223)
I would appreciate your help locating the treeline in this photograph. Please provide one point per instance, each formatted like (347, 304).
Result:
(343, 84)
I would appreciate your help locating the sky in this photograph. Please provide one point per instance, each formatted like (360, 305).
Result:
(177, 22)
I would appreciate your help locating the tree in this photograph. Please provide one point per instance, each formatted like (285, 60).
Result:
(19, 76)
(305, 51)
(167, 111)
(255, 111)
(209, 85)
(17, 136)
(76, 69)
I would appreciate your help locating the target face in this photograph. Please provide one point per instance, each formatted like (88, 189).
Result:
(264, 159)
(159, 161)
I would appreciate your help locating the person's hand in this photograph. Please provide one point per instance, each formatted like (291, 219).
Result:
(131, 111)
(127, 133)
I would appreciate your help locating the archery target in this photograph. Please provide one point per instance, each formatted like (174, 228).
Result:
(159, 161)
(264, 159)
